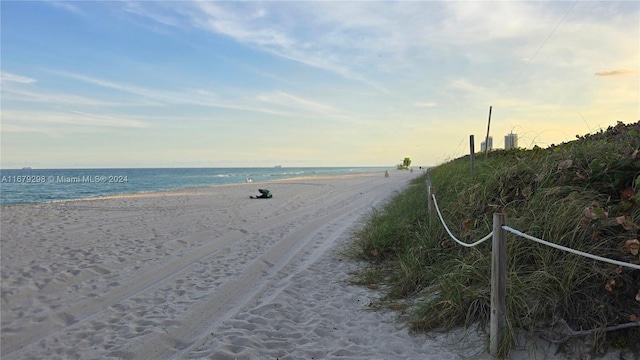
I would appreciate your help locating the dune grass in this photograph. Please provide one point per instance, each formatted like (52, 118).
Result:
(583, 194)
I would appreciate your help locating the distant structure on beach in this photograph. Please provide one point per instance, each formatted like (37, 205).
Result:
(483, 145)
(406, 163)
(511, 141)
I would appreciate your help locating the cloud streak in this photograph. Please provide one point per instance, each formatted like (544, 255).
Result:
(205, 98)
(257, 28)
(38, 96)
(426, 104)
(8, 78)
(33, 120)
(619, 72)
(282, 98)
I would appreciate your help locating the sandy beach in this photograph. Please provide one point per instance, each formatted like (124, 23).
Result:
(203, 273)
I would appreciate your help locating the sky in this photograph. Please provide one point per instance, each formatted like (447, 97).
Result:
(94, 84)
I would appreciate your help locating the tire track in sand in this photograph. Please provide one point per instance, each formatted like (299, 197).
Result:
(255, 278)
(164, 310)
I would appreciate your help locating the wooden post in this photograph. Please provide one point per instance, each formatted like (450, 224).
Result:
(432, 206)
(428, 181)
(498, 284)
(486, 141)
(430, 191)
(472, 152)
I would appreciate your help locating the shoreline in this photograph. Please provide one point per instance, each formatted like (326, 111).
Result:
(192, 187)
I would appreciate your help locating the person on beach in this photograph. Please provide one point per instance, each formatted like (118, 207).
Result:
(264, 194)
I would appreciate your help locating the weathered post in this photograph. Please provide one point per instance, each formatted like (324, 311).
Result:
(472, 152)
(498, 284)
(486, 141)
(428, 182)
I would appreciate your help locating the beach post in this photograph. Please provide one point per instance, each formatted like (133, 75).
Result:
(486, 141)
(472, 153)
(427, 181)
(498, 285)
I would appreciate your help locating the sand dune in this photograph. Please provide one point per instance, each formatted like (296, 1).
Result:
(203, 273)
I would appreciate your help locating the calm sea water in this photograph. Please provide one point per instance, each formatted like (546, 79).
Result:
(27, 186)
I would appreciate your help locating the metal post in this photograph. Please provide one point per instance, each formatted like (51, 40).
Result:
(498, 284)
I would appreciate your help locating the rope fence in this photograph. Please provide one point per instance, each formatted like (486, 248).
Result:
(449, 231)
(498, 266)
(529, 237)
(573, 251)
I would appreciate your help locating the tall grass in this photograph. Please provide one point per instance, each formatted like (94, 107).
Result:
(573, 194)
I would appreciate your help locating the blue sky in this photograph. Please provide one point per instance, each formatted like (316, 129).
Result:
(306, 83)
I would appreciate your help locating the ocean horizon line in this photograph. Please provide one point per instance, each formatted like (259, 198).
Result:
(196, 167)
(29, 186)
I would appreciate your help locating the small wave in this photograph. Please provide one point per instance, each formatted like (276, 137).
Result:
(145, 180)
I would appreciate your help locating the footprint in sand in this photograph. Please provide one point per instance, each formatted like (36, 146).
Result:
(66, 319)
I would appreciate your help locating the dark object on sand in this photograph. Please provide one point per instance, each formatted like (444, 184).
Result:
(264, 194)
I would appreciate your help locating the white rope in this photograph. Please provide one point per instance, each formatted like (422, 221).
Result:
(450, 234)
(577, 252)
(519, 233)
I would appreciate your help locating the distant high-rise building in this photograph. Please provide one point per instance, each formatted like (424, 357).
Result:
(511, 141)
(483, 145)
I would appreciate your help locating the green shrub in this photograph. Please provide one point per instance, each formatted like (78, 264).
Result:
(583, 194)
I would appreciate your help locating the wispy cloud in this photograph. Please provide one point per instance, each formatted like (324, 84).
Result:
(261, 28)
(271, 31)
(199, 97)
(618, 72)
(66, 5)
(282, 98)
(131, 89)
(107, 120)
(466, 86)
(469, 22)
(243, 25)
(8, 77)
(60, 98)
(153, 13)
(426, 104)
(34, 119)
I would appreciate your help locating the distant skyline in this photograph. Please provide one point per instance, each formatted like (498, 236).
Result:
(306, 83)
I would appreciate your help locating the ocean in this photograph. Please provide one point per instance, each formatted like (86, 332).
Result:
(31, 186)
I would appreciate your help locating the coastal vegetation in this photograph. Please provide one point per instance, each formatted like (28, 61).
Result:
(583, 194)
